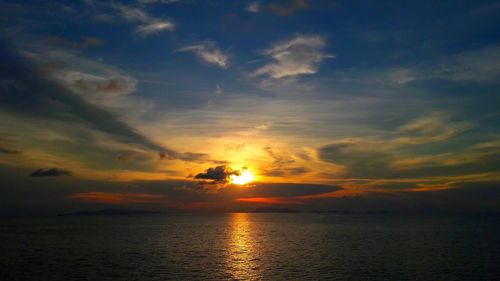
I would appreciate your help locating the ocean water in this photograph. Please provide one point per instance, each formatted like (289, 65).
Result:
(251, 246)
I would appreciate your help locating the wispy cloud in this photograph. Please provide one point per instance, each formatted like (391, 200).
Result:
(478, 66)
(36, 89)
(149, 25)
(209, 53)
(298, 56)
(433, 127)
(145, 2)
(4, 150)
(86, 42)
(253, 7)
(278, 8)
(54, 172)
(94, 81)
(387, 156)
(155, 27)
(290, 9)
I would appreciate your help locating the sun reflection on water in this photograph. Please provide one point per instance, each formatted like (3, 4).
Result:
(243, 259)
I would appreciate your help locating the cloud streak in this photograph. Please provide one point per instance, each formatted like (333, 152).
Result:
(433, 127)
(253, 7)
(290, 9)
(149, 25)
(208, 53)
(4, 150)
(300, 55)
(86, 42)
(53, 172)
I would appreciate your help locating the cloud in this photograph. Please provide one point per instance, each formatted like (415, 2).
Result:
(283, 165)
(4, 150)
(128, 156)
(54, 172)
(372, 160)
(94, 85)
(286, 171)
(155, 27)
(433, 127)
(33, 94)
(290, 9)
(86, 42)
(387, 156)
(150, 25)
(269, 200)
(146, 2)
(290, 189)
(219, 174)
(478, 66)
(234, 146)
(470, 161)
(285, 193)
(253, 7)
(359, 157)
(186, 156)
(298, 56)
(118, 197)
(95, 81)
(208, 53)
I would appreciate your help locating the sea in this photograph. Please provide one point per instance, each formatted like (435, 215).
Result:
(251, 246)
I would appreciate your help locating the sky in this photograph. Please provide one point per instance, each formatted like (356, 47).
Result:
(185, 105)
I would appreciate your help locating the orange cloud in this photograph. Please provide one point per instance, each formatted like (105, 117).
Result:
(269, 200)
(117, 198)
(336, 194)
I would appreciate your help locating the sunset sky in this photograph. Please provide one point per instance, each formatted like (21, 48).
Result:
(237, 105)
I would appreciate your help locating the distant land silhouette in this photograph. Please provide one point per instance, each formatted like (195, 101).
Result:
(112, 212)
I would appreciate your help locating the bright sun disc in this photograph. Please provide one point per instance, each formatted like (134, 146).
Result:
(243, 178)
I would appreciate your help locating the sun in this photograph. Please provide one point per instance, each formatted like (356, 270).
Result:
(243, 178)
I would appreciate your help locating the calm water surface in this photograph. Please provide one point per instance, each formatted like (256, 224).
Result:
(243, 246)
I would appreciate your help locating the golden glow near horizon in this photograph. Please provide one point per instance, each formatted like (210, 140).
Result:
(243, 178)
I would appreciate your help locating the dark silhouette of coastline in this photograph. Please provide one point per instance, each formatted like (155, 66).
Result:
(113, 212)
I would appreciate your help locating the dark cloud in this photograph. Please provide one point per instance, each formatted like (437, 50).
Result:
(290, 189)
(358, 160)
(186, 156)
(54, 172)
(111, 86)
(364, 160)
(484, 163)
(108, 86)
(290, 9)
(4, 150)
(127, 156)
(86, 42)
(293, 171)
(219, 174)
(30, 94)
(167, 155)
(190, 156)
